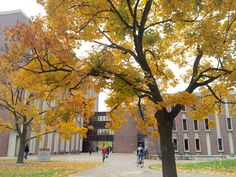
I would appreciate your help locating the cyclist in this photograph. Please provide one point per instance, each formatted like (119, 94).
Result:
(140, 155)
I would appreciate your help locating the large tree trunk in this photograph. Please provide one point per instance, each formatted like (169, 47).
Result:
(20, 156)
(165, 124)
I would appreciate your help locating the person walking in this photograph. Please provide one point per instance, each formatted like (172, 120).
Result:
(104, 152)
(90, 151)
(108, 151)
(146, 152)
(26, 150)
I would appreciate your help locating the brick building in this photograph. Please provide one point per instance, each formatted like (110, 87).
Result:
(190, 137)
(9, 142)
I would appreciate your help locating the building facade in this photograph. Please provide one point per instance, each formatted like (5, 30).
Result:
(99, 135)
(190, 137)
(9, 141)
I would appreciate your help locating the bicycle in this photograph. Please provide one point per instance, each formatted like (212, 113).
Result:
(140, 162)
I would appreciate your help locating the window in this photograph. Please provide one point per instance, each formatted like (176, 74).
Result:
(183, 109)
(185, 125)
(220, 144)
(197, 144)
(175, 144)
(229, 123)
(101, 118)
(174, 126)
(206, 124)
(195, 125)
(186, 145)
(105, 132)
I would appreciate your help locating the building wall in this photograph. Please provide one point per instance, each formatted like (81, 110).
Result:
(208, 139)
(8, 19)
(125, 138)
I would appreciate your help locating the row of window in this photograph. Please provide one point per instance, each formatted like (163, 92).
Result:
(102, 118)
(197, 144)
(206, 125)
(183, 109)
(105, 132)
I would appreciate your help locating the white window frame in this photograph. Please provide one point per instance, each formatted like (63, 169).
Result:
(177, 149)
(183, 124)
(231, 122)
(222, 150)
(184, 109)
(207, 130)
(194, 125)
(174, 122)
(188, 145)
(196, 145)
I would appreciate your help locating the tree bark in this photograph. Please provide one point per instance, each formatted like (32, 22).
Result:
(20, 156)
(165, 124)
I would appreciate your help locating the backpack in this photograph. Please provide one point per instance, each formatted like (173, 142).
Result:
(140, 151)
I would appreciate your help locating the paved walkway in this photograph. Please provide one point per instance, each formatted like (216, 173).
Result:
(123, 165)
(119, 165)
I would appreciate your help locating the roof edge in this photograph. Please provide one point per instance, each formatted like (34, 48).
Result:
(15, 12)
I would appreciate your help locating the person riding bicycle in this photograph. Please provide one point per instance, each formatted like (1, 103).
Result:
(140, 153)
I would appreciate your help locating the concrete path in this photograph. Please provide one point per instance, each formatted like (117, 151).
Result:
(119, 165)
(124, 165)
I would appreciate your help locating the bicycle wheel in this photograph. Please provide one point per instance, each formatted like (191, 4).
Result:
(142, 163)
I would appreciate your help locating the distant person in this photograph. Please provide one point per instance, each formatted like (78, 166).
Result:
(146, 152)
(104, 152)
(111, 149)
(90, 151)
(26, 150)
(140, 155)
(108, 151)
(97, 149)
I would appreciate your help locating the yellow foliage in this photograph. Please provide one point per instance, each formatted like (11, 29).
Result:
(212, 123)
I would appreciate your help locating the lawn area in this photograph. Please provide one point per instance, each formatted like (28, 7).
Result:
(9, 168)
(220, 167)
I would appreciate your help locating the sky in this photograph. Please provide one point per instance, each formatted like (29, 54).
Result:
(29, 7)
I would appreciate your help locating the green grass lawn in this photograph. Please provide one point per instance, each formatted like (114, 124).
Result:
(221, 167)
(32, 168)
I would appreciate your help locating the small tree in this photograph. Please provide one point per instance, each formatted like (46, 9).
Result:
(27, 115)
(38, 103)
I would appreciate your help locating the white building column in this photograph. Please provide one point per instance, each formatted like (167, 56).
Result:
(56, 142)
(72, 147)
(68, 146)
(229, 133)
(32, 144)
(11, 144)
(208, 143)
(49, 143)
(62, 145)
(76, 142)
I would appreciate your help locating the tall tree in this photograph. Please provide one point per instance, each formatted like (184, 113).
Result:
(138, 46)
